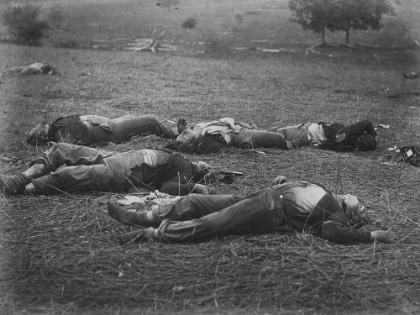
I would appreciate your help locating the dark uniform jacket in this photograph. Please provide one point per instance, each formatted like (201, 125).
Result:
(327, 220)
(70, 129)
(344, 138)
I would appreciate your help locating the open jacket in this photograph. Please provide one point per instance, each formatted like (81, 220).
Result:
(327, 220)
(83, 130)
(70, 129)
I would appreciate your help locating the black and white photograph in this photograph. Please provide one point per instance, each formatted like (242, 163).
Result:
(210, 157)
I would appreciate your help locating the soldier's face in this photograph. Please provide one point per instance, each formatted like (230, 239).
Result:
(355, 210)
(201, 167)
(188, 136)
(39, 134)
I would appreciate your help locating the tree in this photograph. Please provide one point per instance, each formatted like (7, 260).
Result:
(22, 21)
(314, 15)
(339, 15)
(360, 15)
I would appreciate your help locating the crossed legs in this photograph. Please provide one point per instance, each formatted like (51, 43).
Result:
(196, 217)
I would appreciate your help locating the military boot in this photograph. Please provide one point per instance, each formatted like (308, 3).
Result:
(13, 184)
(132, 218)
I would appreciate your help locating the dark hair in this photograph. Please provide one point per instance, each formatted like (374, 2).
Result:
(365, 142)
(210, 144)
(48, 69)
(181, 147)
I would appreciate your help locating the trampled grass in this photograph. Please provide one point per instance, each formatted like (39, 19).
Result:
(59, 253)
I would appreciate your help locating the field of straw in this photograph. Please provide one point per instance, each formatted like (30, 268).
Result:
(59, 254)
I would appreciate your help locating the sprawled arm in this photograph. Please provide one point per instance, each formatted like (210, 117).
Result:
(362, 126)
(383, 236)
(336, 233)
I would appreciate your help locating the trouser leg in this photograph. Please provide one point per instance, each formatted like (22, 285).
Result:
(193, 207)
(128, 127)
(280, 129)
(186, 208)
(70, 154)
(297, 137)
(50, 160)
(258, 212)
(266, 139)
(77, 178)
(35, 171)
(259, 139)
(122, 118)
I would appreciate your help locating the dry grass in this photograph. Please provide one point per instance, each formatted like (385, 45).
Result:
(59, 254)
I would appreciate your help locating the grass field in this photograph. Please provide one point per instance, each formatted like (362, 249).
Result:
(59, 254)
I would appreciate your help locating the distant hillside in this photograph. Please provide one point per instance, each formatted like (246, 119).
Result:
(229, 22)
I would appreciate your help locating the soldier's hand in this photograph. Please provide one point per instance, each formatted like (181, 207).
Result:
(383, 236)
(200, 189)
(182, 125)
(279, 180)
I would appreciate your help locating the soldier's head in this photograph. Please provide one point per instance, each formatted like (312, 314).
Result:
(200, 170)
(366, 142)
(47, 69)
(355, 211)
(186, 140)
(188, 135)
(39, 134)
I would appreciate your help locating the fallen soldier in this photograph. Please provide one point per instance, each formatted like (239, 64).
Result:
(359, 136)
(211, 137)
(288, 205)
(89, 169)
(214, 136)
(91, 129)
(33, 69)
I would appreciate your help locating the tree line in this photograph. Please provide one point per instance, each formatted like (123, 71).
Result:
(24, 24)
(339, 15)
